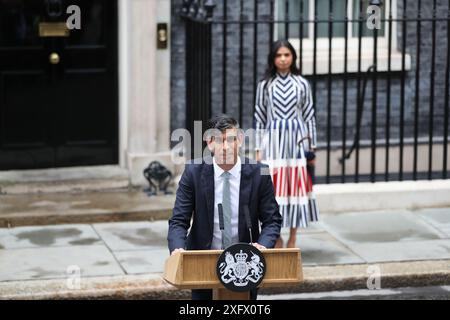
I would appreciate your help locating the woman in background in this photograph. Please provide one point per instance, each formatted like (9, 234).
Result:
(286, 137)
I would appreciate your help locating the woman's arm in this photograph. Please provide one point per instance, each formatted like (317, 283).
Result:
(309, 116)
(260, 117)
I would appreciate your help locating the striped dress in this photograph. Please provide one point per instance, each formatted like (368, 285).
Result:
(285, 129)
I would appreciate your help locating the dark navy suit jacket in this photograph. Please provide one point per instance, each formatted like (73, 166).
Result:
(195, 199)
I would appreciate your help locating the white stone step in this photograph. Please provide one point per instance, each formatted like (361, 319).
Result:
(63, 179)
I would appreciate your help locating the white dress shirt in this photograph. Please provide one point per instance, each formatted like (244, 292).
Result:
(235, 184)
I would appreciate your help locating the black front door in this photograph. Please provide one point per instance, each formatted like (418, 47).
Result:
(58, 85)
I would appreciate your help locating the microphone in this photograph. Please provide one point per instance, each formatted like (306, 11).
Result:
(221, 225)
(249, 221)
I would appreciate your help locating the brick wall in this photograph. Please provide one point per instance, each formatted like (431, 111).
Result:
(231, 75)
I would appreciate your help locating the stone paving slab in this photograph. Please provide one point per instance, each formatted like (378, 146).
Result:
(404, 250)
(313, 227)
(446, 231)
(51, 263)
(125, 236)
(145, 261)
(378, 227)
(439, 218)
(49, 236)
(322, 249)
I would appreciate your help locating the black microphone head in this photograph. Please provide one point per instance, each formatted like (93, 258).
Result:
(221, 224)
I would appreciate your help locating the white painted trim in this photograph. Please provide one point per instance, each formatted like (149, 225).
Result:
(163, 84)
(124, 79)
(337, 59)
(380, 196)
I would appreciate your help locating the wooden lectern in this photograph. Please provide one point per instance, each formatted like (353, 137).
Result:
(196, 269)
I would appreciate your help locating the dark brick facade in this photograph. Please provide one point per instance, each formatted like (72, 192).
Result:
(248, 85)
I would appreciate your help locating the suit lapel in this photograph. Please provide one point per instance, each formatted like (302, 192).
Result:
(208, 190)
(244, 195)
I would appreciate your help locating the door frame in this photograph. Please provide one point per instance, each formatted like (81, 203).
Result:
(124, 77)
(138, 143)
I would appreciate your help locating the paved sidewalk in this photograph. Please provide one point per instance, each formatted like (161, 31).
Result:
(37, 261)
(132, 204)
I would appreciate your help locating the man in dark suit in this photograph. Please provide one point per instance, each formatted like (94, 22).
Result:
(232, 181)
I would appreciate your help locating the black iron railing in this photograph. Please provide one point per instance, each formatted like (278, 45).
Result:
(382, 112)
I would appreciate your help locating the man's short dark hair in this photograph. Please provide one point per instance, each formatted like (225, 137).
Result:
(222, 122)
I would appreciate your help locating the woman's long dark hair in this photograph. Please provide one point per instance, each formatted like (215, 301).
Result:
(271, 70)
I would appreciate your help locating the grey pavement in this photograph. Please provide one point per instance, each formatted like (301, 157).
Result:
(140, 248)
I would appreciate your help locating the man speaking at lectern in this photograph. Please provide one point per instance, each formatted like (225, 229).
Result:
(231, 181)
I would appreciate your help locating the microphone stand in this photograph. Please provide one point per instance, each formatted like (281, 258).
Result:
(249, 222)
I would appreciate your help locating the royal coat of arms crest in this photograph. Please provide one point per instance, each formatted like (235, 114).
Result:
(241, 267)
